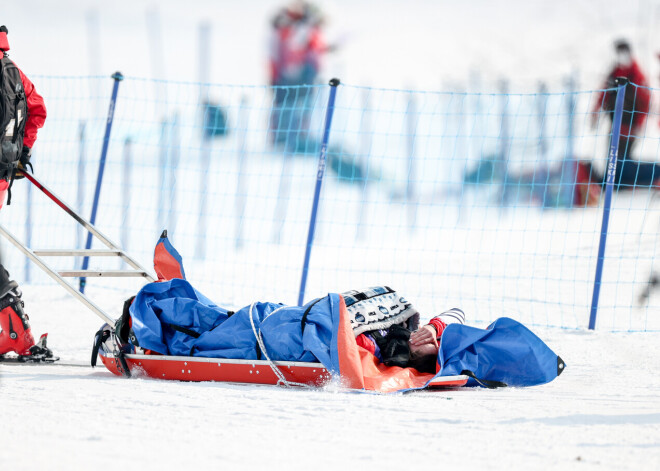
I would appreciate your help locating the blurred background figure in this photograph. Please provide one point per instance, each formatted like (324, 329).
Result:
(296, 51)
(636, 104)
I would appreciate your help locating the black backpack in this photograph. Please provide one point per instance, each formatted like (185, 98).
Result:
(13, 116)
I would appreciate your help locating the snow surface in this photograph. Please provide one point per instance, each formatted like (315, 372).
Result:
(602, 413)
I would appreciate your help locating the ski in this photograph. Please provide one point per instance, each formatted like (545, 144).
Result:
(54, 361)
(39, 354)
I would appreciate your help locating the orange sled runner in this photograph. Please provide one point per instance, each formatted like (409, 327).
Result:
(236, 371)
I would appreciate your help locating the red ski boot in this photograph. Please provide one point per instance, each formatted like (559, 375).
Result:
(16, 335)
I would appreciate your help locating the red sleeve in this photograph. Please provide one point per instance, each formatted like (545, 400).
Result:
(274, 72)
(438, 325)
(637, 76)
(601, 96)
(598, 104)
(316, 42)
(36, 111)
(366, 343)
(644, 99)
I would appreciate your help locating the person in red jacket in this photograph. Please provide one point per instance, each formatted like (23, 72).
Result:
(296, 50)
(16, 335)
(637, 100)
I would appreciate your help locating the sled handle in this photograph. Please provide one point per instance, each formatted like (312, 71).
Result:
(87, 225)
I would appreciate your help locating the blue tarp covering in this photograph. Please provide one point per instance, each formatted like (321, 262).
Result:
(506, 352)
(160, 308)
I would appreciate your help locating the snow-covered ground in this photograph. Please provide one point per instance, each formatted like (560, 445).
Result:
(602, 413)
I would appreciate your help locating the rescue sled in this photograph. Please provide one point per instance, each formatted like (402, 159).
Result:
(122, 362)
(234, 371)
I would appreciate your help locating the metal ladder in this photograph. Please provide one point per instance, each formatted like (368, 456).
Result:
(113, 251)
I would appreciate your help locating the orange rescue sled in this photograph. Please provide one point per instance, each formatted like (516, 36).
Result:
(235, 371)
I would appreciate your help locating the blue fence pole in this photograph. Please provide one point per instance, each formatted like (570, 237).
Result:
(163, 157)
(126, 172)
(505, 143)
(611, 172)
(175, 157)
(80, 196)
(118, 77)
(242, 179)
(542, 104)
(568, 178)
(411, 188)
(317, 190)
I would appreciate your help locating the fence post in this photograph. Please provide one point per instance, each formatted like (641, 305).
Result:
(611, 171)
(411, 171)
(80, 196)
(126, 172)
(542, 104)
(505, 143)
(175, 157)
(366, 144)
(163, 165)
(117, 77)
(317, 190)
(241, 180)
(568, 178)
(205, 163)
(203, 75)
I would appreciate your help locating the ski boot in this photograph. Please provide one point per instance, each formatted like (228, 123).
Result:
(16, 335)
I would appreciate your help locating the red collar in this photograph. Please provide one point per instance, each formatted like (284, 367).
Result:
(4, 44)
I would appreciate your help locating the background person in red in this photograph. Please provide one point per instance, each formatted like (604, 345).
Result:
(22, 115)
(295, 52)
(635, 110)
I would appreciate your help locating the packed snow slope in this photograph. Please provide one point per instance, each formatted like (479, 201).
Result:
(602, 413)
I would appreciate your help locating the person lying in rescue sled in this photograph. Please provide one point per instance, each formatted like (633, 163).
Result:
(369, 339)
(387, 326)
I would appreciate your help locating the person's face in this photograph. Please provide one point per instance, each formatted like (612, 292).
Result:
(623, 58)
(423, 350)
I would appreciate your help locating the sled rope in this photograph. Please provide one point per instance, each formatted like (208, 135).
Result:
(282, 380)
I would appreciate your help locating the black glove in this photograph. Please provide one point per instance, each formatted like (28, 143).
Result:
(23, 163)
(394, 347)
